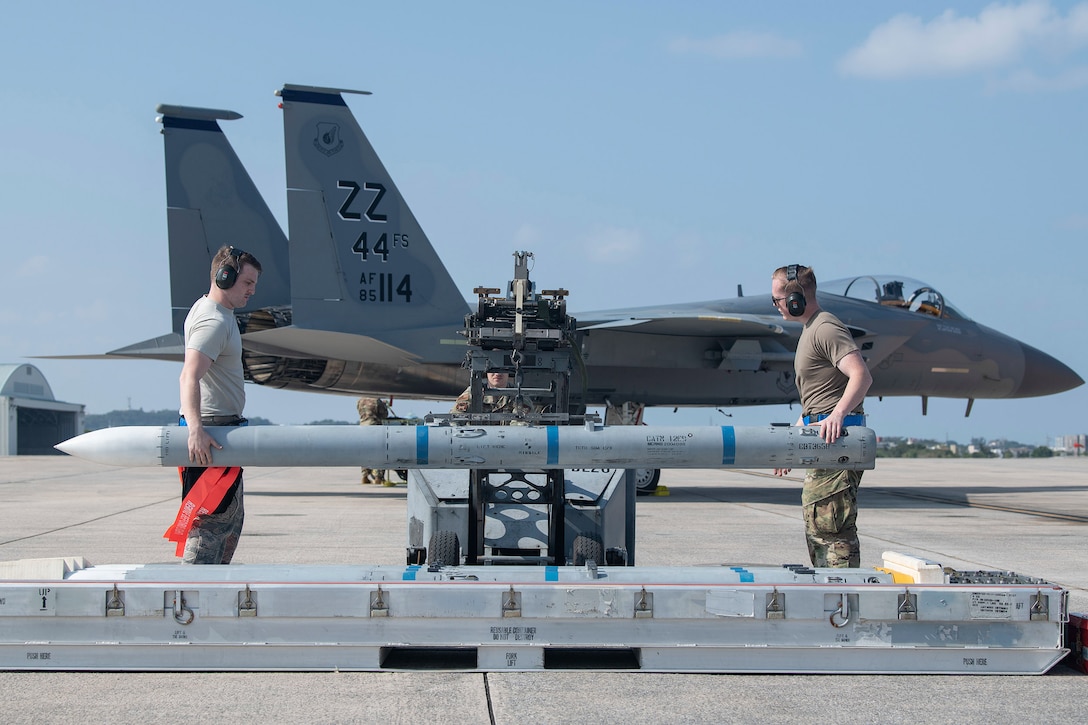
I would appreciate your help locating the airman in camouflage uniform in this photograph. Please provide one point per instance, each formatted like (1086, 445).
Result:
(372, 411)
(493, 402)
(832, 380)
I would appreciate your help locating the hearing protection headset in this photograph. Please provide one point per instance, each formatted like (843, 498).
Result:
(795, 301)
(227, 274)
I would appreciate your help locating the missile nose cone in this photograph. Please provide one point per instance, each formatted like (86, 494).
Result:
(1045, 375)
(126, 446)
(73, 446)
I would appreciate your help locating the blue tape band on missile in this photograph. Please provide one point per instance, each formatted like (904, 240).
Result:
(529, 447)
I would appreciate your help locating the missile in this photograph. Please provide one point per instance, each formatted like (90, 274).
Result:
(516, 447)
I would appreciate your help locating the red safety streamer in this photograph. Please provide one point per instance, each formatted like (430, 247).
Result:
(204, 497)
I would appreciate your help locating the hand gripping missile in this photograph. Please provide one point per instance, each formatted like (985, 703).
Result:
(517, 447)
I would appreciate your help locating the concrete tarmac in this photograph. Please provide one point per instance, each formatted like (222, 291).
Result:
(1029, 516)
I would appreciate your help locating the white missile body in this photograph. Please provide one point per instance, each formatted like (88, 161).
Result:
(517, 447)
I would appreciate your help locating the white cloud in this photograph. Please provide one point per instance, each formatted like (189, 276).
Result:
(1025, 81)
(740, 44)
(687, 251)
(528, 237)
(33, 267)
(1074, 222)
(613, 244)
(905, 46)
(1074, 32)
(96, 311)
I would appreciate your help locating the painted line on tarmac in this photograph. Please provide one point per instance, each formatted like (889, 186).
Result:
(77, 524)
(1075, 518)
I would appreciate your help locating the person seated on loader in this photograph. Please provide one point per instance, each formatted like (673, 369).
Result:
(494, 400)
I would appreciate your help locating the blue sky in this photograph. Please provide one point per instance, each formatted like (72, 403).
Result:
(646, 153)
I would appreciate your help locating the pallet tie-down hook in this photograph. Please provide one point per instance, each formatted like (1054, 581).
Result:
(378, 606)
(644, 607)
(179, 596)
(1040, 607)
(511, 605)
(776, 605)
(843, 610)
(115, 607)
(908, 609)
(247, 606)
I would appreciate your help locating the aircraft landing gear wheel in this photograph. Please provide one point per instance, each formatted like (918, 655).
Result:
(444, 549)
(646, 480)
(587, 548)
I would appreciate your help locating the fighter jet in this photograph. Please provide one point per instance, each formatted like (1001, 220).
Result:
(359, 302)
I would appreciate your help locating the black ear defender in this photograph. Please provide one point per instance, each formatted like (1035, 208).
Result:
(227, 275)
(795, 301)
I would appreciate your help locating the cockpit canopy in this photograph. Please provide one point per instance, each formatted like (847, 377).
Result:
(894, 291)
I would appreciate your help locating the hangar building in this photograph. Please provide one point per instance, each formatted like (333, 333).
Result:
(31, 420)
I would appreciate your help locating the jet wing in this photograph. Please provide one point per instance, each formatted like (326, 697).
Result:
(875, 348)
(738, 327)
(694, 324)
(703, 321)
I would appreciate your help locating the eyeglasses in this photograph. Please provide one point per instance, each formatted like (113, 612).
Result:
(776, 300)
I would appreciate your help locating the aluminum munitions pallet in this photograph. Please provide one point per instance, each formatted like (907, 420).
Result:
(55, 615)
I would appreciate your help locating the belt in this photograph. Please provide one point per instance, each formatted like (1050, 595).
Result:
(850, 420)
(218, 420)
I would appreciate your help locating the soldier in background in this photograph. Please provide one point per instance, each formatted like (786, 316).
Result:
(373, 411)
(496, 401)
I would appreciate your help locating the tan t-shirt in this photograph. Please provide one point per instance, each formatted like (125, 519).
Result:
(211, 329)
(824, 341)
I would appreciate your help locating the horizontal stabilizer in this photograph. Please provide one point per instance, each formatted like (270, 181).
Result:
(170, 346)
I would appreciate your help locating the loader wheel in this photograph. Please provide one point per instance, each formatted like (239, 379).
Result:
(646, 480)
(587, 548)
(445, 549)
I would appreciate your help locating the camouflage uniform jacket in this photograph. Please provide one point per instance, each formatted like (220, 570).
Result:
(492, 403)
(372, 411)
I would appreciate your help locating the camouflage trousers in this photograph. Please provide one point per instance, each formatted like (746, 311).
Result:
(831, 530)
(214, 537)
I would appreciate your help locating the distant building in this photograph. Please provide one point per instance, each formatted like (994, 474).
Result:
(1072, 445)
(31, 420)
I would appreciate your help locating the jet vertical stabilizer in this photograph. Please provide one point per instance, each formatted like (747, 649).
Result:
(360, 262)
(211, 201)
